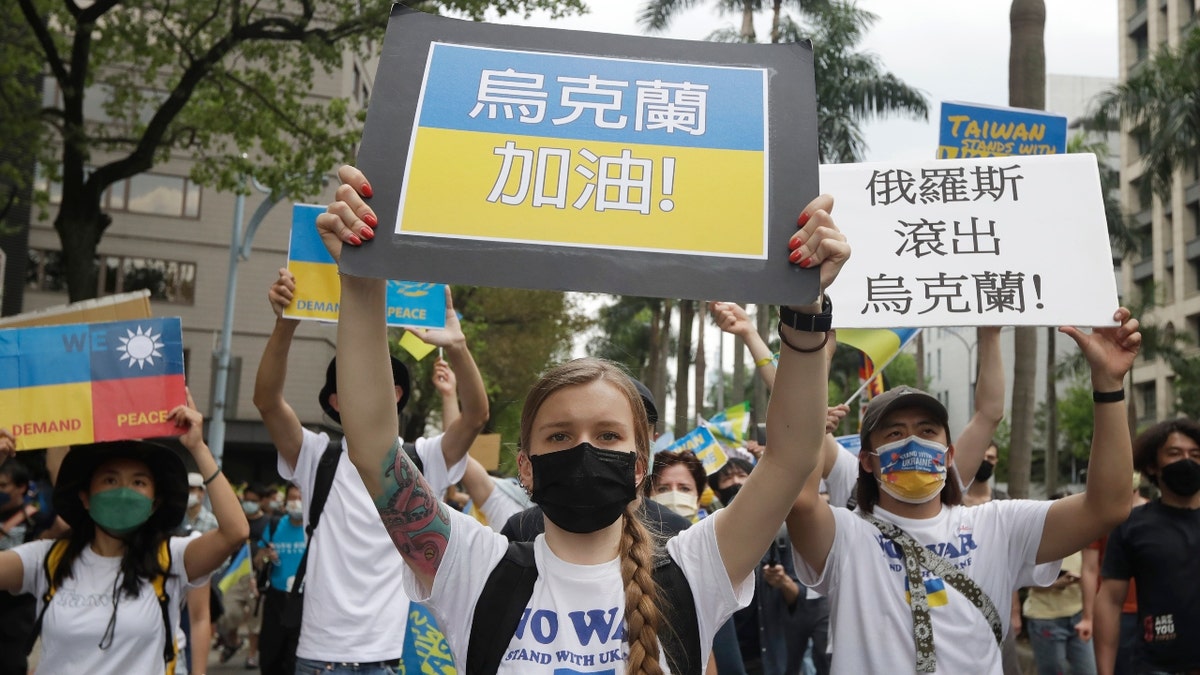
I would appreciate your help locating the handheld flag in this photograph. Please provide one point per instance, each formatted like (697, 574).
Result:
(730, 425)
(86, 383)
(706, 448)
(238, 569)
(415, 345)
(881, 345)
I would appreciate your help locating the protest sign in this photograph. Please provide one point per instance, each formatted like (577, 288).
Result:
(86, 383)
(973, 242)
(119, 307)
(970, 130)
(318, 289)
(566, 160)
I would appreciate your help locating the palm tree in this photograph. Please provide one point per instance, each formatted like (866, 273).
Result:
(1026, 89)
(1161, 100)
(852, 87)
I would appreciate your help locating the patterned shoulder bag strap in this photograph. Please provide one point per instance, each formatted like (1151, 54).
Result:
(922, 623)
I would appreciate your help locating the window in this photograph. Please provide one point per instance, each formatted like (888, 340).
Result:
(167, 280)
(149, 193)
(1141, 43)
(1147, 401)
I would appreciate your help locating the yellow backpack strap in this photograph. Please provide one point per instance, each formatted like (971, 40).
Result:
(50, 564)
(159, 582)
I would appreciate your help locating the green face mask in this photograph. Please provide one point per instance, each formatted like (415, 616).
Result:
(120, 510)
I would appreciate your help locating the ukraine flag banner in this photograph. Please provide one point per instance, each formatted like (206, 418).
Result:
(239, 568)
(881, 345)
(319, 289)
(701, 443)
(87, 383)
(541, 148)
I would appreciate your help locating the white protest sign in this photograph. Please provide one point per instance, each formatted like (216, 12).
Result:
(1009, 241)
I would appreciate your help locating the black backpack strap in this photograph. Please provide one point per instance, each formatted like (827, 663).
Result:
(498, 611)
(321, 486)
(679, 632)
(410, 449)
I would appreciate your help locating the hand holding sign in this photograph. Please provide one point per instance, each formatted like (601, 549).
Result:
(188, 418)
(1110, 351)
(348, 220)
(282, 291)
(820, 244)
(449, 336)
(8, 445)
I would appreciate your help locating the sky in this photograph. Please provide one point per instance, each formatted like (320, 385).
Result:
(952, 50)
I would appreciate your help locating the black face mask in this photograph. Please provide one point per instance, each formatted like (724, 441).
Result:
(585, 488)
(984, 472)
(1182, 477)
(728, 493)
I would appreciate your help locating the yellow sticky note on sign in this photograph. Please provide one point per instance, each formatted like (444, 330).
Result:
(415, 346)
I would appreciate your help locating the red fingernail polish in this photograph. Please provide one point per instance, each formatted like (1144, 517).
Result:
(367, 233)
(794, 256)
(799, 221)
(353, 239)
(806, 262)
(367, 191)
(370, 220)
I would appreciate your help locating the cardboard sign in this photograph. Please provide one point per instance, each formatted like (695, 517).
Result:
(86, 383)
(486, 450)
(319, 290)
(1012, 241)
(119, 307)
(564, 160)
(969, 130)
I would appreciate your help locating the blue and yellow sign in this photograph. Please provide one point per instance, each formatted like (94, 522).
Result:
(582, 151)
(318, 289)
(968, 130)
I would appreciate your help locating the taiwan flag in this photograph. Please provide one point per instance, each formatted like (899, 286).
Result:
(87, 383)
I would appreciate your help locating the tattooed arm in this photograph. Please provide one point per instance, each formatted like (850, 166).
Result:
(366, 393)
(415, 518)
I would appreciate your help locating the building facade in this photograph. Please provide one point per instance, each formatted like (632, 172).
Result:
(1167, 268)
(173, 236)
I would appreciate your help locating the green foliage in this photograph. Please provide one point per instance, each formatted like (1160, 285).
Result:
(226, 84)
(625, 332)
(514, 335)
(1122, 231)
(852, 86)
(1161, 101)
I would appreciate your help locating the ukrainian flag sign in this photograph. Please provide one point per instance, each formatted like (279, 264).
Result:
(86, 383)
(592, 152)
(565, 160)
(318, 289)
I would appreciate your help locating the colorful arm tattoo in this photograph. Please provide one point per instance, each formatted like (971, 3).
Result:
(412, 514)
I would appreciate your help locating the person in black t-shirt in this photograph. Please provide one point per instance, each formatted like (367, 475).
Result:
(1158, 546)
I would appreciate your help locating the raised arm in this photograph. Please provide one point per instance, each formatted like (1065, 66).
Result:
(416, 519)
(1073, 522)
(796, 412)
(976, 436)
(733, 319)
(206, 552)
(446, 385)
(277, 415)
(460, 433)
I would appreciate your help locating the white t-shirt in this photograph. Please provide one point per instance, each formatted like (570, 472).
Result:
(842, 479)
(500, 506)
(355, 607)
(995, 544)
(79, 613)
(575, 617)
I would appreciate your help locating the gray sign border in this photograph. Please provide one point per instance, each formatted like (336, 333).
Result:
(793, 175)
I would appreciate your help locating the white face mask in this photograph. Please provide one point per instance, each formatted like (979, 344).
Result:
(295, 509)
(193, 501)
(681, 503)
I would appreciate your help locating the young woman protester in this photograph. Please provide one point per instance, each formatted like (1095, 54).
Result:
(584, 451)
(111, 601)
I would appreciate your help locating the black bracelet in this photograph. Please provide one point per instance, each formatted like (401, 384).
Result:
(812, 323)
(213, 476)
(797, 349)
(1108, 396)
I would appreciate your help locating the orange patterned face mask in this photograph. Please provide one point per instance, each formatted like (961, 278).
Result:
(913, 470)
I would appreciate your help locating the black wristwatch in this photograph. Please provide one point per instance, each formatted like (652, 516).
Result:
(812, 323)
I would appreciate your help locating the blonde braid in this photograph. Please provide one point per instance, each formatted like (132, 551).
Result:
(642, 616)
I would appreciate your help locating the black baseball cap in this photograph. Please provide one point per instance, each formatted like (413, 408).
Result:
(898, 398)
